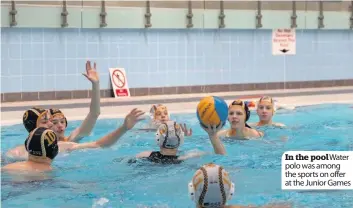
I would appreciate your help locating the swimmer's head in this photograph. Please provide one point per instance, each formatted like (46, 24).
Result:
(36, 117)
(159, 112)
(42, 143)
(211, 186)
(238, 114)
(265, 108)
(169, 135)
(59, 122)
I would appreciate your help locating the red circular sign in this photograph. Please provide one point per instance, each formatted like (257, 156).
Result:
(118, 78)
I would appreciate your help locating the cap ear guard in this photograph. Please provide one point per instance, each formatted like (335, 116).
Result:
(231, 192)
(152, 110)
(191, 191)
(247, 111)
(159, 136)
(31, 118)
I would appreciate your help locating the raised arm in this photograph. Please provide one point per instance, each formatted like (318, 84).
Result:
(87, 125)
(214, 135)
(192, 155)
(217, 145)
(110, 139)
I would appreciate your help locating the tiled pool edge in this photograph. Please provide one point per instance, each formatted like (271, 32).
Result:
(178, 100)
(106, 93)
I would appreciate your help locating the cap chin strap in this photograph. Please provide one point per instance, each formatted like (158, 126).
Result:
(231, 192)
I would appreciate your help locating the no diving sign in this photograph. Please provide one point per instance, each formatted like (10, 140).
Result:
(283, 42)
(119, 82)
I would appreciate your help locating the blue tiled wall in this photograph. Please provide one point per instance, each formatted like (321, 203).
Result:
(53, 59)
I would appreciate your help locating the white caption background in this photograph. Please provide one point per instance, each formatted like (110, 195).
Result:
(334, 174)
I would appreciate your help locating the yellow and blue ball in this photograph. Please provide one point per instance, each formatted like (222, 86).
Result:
(212, 110)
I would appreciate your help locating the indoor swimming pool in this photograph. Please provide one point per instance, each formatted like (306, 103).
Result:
(108, 178)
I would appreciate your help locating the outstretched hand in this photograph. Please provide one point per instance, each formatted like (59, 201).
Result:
(132, 118)
(212, 130)
(185, 130)
(91, 73)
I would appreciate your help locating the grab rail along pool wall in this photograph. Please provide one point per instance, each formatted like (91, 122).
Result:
(189, 15)
(103, 15)
(13, 13)
(294, 15)
(64, 15)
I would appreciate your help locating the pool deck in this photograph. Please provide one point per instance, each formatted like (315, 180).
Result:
(11, 113)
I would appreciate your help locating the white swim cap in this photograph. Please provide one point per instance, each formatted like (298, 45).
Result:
(211, 186)
(169, 135)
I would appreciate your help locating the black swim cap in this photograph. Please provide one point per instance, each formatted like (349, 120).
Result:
(56, 112)
(31, 118)
(42, 142)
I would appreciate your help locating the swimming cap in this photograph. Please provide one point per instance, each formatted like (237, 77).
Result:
(211, 186)
(56, 112)
(32, 117)
(266, 99)
(42, 142)
(169, 135)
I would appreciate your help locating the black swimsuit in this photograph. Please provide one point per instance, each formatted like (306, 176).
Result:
(157, 157)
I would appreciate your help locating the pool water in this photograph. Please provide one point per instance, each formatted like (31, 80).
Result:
(104, 178)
